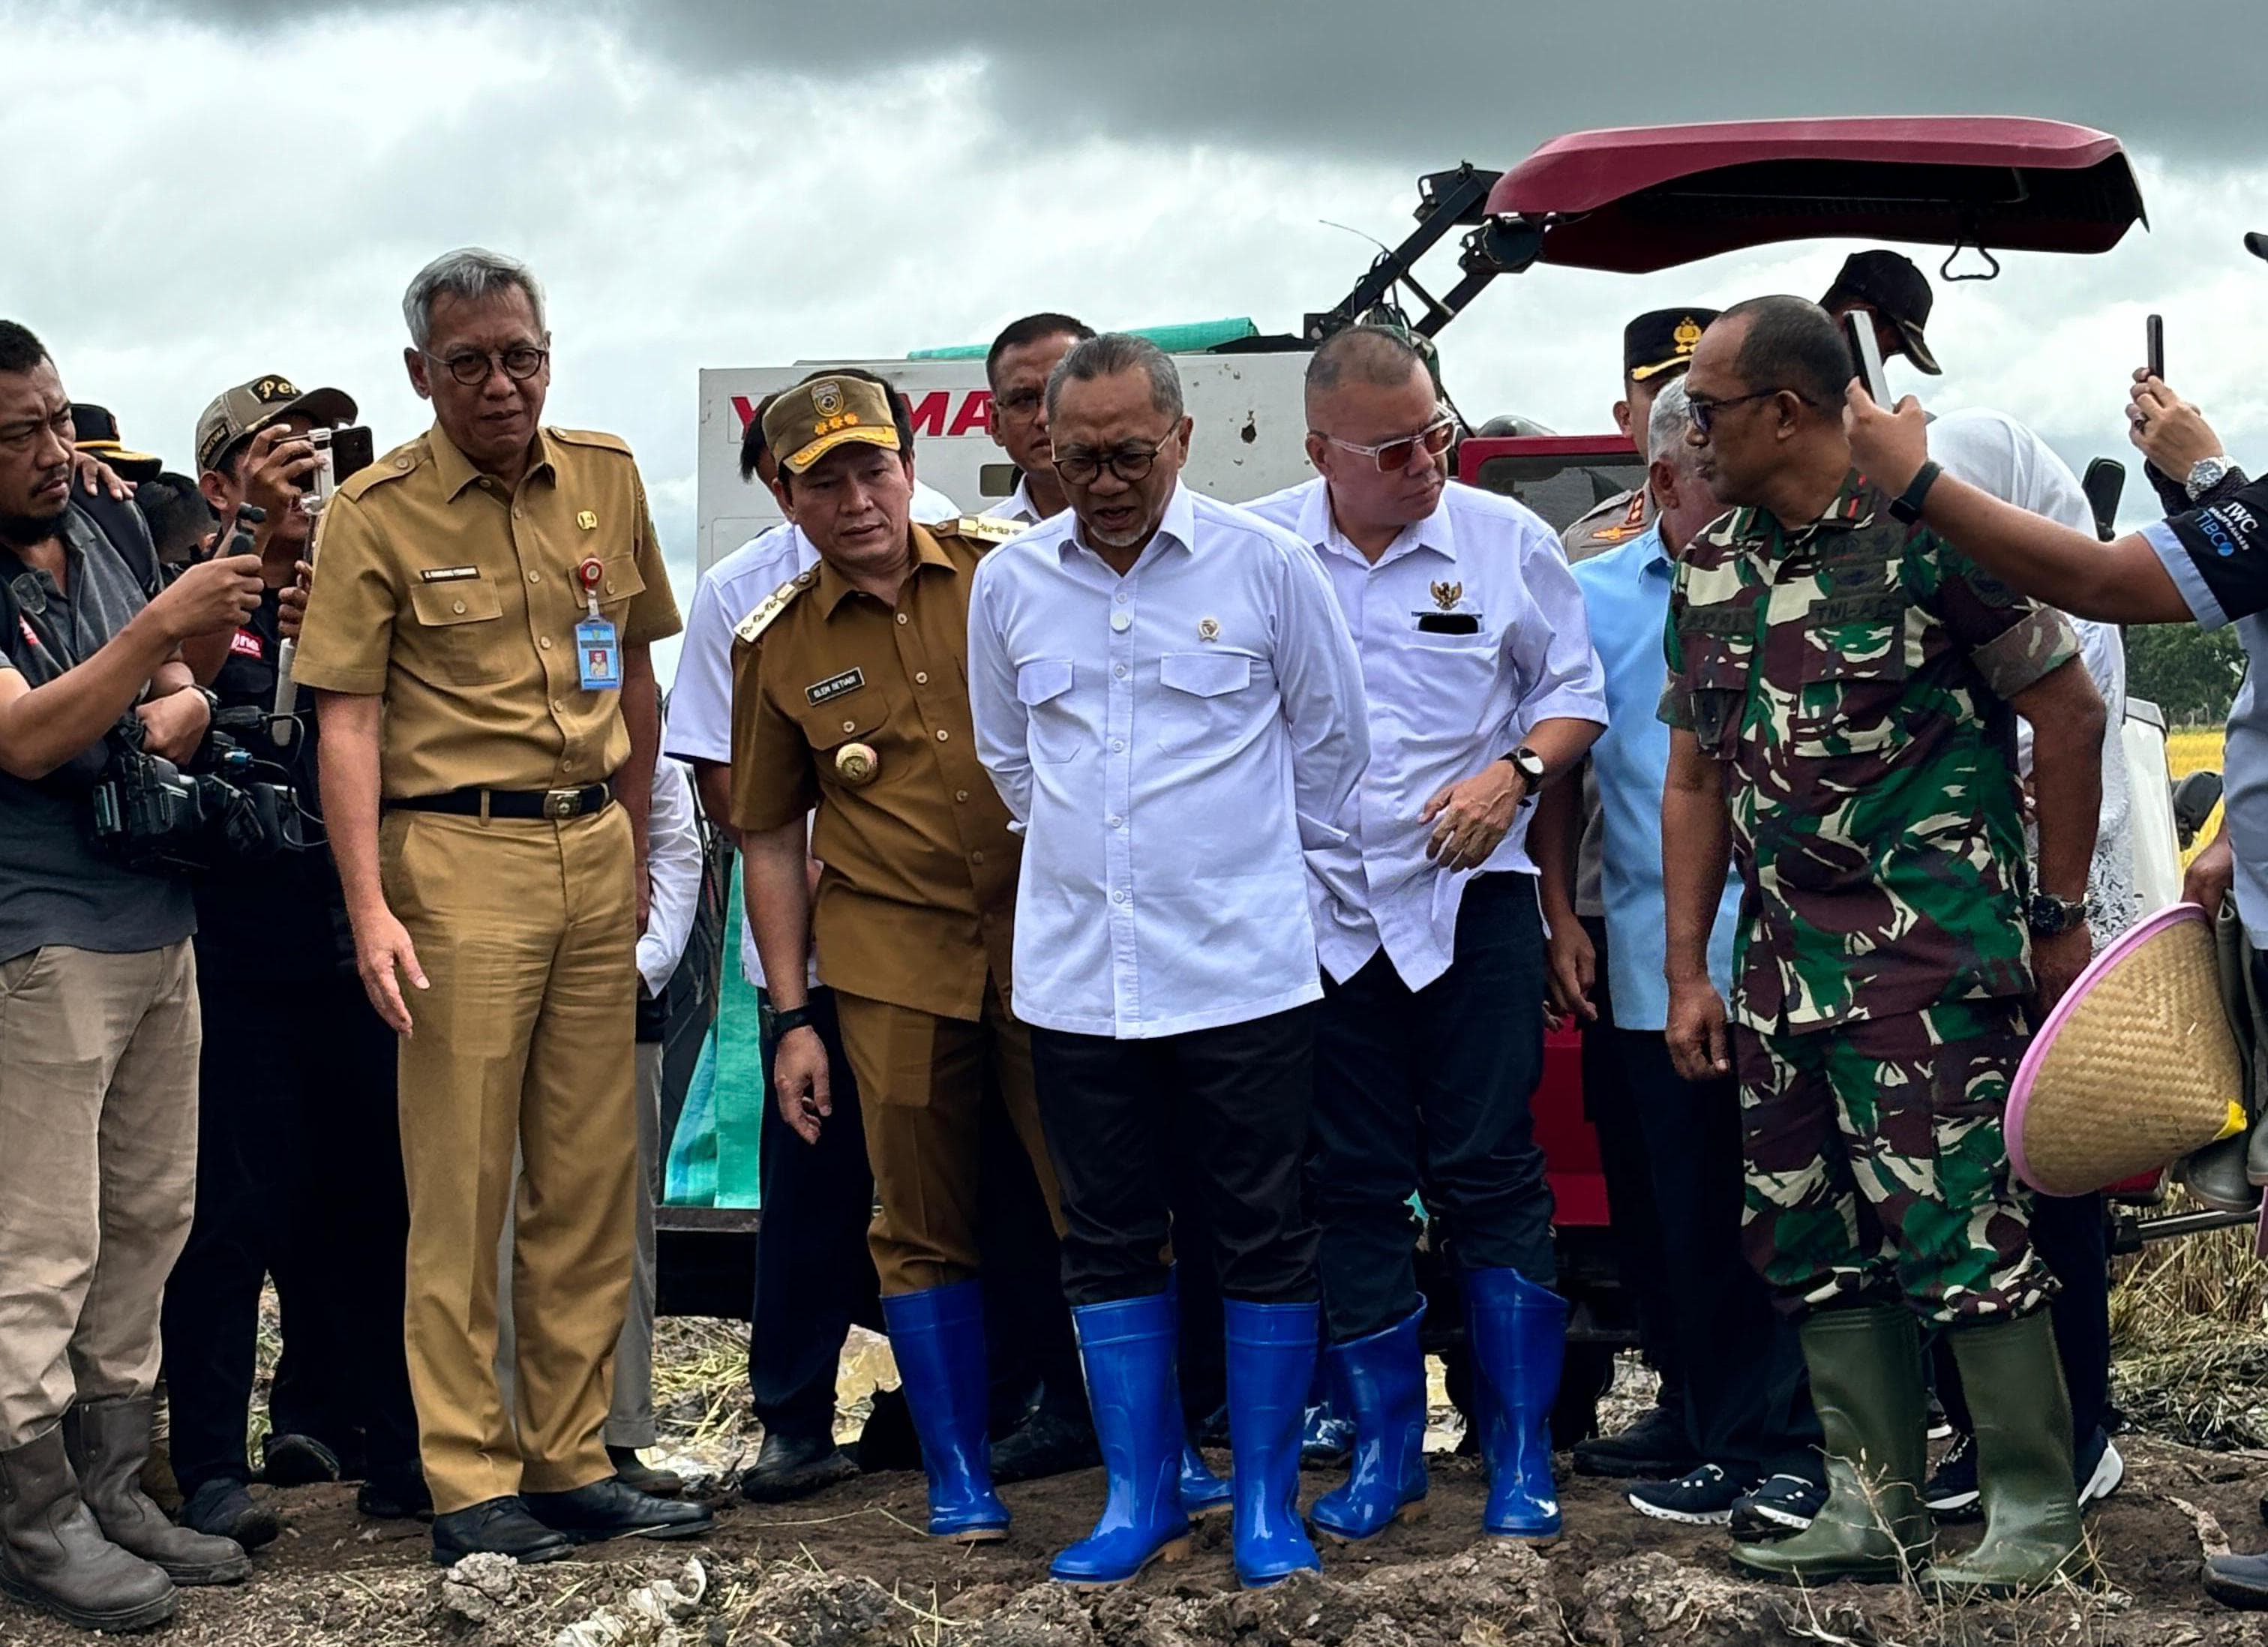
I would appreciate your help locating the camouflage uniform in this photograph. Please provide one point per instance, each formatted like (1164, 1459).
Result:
(1853, 676)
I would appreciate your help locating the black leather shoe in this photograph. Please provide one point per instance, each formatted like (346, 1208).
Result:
(1655, 1448)
(1044, 1444)
(223, 1509)
(496, 1527)
(2238, 1581)
(608, 1510)
(794, 1466)
(297, 1461)
(395, 1492)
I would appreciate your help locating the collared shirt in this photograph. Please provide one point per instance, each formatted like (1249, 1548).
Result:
(1017, 506)
(700, 725)
(1615, 520)
(2218, 558)
(673, 872)
(458, 604)
(1470, 630)
(1851, 675)
(1182, 747)
(930, 506)
(918, 885)
(1626, 593)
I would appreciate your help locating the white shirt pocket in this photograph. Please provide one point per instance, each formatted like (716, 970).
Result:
(1053, 734)
(1202, 705)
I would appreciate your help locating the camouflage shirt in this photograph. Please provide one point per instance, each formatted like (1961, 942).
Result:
(1853, 675)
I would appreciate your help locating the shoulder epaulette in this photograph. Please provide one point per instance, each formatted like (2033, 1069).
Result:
(772, 605)
(600, 438)
(986, 529)
(403, 460)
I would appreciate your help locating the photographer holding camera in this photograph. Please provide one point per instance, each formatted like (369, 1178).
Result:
(99, 1041)
(298, 1157)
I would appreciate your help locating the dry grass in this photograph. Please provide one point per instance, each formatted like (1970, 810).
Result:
(2189, 1326)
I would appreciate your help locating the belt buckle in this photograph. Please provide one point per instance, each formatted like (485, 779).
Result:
(559, 805)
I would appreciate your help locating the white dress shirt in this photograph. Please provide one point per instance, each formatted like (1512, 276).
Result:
(673, 874)
(1017, 506)
(1443, 703)
(1181, 747)
(700, 723)
(929, 506)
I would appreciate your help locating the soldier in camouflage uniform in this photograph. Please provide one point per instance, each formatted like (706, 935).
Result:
(1844, 688)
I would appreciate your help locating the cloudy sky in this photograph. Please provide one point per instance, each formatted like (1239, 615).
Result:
(204, 190)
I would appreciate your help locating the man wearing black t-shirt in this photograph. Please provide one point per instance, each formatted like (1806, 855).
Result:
(298, 1173)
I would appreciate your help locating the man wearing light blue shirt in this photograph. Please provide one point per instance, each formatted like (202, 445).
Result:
(1168, 700)
(1745, 1407)
(1482, 688)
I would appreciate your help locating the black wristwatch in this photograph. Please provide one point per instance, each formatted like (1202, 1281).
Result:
(2050, 916)
(794, 1018)
(1532, 771)
(1906, 505)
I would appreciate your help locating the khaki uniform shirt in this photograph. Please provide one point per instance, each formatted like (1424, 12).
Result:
(458, 605)
(1613, 523)
(917, 902)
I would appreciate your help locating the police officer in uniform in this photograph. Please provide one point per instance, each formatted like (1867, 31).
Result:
(477, 634)
(1656, 347)
(850, 701)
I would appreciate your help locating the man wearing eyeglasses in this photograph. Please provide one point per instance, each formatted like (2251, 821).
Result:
(1016, 368)
(1844, 690)
(1482, 688)
(477, 636)
(1168, 702)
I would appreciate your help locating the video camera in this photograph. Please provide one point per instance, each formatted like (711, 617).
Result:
(151, 815)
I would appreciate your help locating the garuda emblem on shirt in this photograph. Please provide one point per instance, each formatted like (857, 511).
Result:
(1446, 596)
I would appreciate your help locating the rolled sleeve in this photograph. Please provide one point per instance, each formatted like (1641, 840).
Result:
(2026, 653)
(774, 782)
(652, 615)
(2012, 640)
(346, 640)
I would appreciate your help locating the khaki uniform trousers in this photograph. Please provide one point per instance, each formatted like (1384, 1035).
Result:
(923, 1083)
(98, 1171)
(527, 933)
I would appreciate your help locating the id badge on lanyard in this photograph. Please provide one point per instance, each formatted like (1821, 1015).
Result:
(598, 650)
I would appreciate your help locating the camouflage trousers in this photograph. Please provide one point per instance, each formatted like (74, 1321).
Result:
(1875, 1163)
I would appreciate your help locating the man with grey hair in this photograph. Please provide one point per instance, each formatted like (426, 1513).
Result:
(1168, 702)
(1482, 689)
(1741, 1405)
(477, 638)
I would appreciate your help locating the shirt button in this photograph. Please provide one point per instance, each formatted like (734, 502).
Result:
(1117, 823)
(517, 512)
(849, 726)
(976, 856)
(536, 577)
(460, 606)
(960, 795)
(1117, 747)
(401, 463)
(1118, 897)
(558, 708)
(545, 642)
(1120, 671)
(1121, 621)
(1120, 597)
(940, 734)
(901, 617)
(921, 677)
(486, 485)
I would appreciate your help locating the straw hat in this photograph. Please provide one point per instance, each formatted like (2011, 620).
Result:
(2136, 1067)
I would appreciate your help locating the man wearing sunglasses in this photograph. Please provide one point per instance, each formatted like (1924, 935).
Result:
(1482, 688)
(1843, 691)
(476, 636)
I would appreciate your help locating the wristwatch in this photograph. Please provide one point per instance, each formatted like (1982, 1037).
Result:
(794, 1018)
(1531, 769)
(2049, 916)
(1906, 506)
(2205, 474)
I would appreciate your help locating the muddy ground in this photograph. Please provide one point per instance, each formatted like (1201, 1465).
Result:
(848, 1567)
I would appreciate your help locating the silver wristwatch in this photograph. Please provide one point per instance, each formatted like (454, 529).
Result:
(2206, 474)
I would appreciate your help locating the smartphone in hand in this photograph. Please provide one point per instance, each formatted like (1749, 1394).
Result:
(2153, 331)
(1867, 356)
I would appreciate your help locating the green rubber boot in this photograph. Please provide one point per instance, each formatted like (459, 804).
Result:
(1866, 1383)
(2023, 1414)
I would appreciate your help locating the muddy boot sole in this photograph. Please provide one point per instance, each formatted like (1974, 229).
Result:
(122, 1622)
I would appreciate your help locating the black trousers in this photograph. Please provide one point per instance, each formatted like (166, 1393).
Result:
(1221, 1111)
(1747, 1398)
(1030, 1350)
(2069, 1235)
(814, 1274)
(298, 1177)
(1427, 1091)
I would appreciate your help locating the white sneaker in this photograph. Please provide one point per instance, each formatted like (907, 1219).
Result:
(2110, 1470)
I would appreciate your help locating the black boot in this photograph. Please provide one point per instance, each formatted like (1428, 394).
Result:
(53, 1555)
(608, 1510)
(496, 1527)
(224, 1508)
(1652, 1448)
(108, 1443)
(794, 1466)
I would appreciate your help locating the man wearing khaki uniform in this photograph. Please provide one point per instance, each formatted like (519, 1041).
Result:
(850, 697)
(478, 630)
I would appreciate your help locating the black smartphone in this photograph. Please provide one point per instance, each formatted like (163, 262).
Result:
(1867, 355)
(352, 453)
(2154, 330)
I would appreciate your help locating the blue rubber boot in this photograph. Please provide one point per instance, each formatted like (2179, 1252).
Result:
(937, 1336)
(1202, 1492)
(1384, 1376)
(1127, 1347)
(1520, 1338)
(1271, 1355)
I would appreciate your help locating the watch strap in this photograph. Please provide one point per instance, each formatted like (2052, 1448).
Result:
(1906, 506)
(793, 1018)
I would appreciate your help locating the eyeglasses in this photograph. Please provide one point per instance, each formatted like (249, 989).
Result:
(1702, 413)
(1019, 402)
(1390, 455)
(472, 368)
(1128, 463)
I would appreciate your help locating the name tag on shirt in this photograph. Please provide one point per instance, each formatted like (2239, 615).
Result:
(447, 574)
(601, 655)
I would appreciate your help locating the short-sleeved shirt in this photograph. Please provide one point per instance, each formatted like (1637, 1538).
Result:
(1853, 676)
(917, 899)
(2218, 558)
(457, 602)
(54, 887)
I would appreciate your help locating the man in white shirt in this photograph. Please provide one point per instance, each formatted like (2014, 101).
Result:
(1016, 367)
(1482, 687)
(1169, 702)
(813, 1270)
